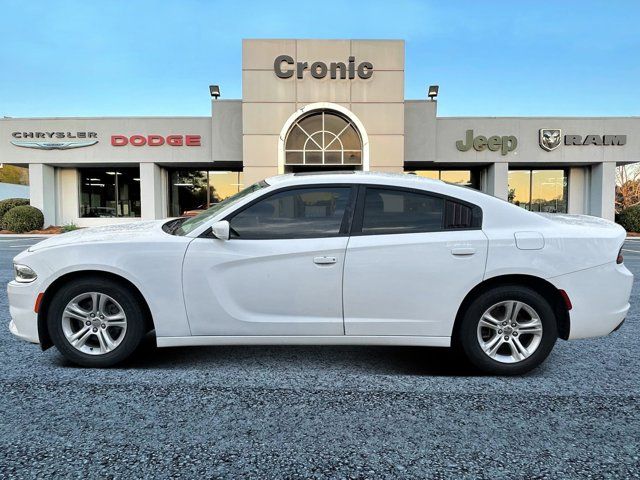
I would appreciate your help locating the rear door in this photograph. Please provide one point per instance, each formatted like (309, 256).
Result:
(411, 259)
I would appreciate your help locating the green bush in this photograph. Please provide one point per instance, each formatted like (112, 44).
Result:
(69, 227)
(23, 218)
(629, 218)
(9, 203)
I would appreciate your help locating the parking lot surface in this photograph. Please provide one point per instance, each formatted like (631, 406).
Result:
(319, 412)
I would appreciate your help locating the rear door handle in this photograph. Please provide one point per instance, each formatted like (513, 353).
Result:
(463, 251)
(324, 260)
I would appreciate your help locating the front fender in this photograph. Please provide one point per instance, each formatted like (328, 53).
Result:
(154, 269)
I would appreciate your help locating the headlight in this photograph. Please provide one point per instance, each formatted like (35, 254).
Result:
(24, 274)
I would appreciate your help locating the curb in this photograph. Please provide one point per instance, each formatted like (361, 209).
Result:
(27, 235)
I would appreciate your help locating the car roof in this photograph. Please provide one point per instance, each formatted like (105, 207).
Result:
(383, 178)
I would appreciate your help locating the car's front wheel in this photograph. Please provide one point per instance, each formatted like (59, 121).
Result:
(95, 322)
(508, 330)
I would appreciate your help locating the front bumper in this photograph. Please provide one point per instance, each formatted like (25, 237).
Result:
(24, 320)
(600, 298)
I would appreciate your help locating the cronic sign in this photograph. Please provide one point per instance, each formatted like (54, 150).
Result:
(285, 66)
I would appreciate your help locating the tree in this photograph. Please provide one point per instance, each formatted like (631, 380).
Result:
(627, 186)
(13, 174)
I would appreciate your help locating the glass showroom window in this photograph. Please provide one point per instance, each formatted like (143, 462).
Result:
(192, 190)
(466, 178)
(323, 138)
(107, 192)
(539, 190)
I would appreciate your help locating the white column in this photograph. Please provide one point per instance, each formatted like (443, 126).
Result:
(151, 191)
(68, 196)
(603, 190)
(42, 191)
(577, 191)
(497, 180)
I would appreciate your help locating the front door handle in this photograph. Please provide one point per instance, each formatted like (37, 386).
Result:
(324, 260)
(463, 251)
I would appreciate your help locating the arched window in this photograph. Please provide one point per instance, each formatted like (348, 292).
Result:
(323, 138)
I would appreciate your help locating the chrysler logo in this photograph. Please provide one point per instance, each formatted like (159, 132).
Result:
(48, 145)
(550, 138)
(44, 140)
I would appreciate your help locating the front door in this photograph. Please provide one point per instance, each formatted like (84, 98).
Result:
(410, 262)
(281, 271)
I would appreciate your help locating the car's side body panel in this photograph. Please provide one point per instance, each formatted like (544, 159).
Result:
(151, 262)
(600, 298)
(264, 287)
(399, 340)
(410, 284)
(568, 247)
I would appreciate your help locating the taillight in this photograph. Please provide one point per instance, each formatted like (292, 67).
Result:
(620, 258)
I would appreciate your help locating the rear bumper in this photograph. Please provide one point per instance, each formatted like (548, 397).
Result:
(600, 299)
(24, 320)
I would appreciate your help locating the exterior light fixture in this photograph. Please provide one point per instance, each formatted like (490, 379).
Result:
(433, 91)
(214, 90)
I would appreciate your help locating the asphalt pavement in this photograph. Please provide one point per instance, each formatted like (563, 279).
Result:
(320, 412)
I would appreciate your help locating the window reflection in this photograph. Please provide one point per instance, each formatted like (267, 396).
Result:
(390, 211)
(539, 190)
(303, 213)
(192, 191)
(109, 192)
(465, 178)
(520, 188)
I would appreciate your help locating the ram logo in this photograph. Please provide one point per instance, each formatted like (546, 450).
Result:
(550, 138)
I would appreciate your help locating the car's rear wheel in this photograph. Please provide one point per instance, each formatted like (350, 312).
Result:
(95, 322)
(508, 330)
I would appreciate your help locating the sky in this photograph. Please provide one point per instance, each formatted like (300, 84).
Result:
(155, 58)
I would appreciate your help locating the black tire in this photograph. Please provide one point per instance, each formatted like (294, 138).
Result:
(130, 304)
(468, 331)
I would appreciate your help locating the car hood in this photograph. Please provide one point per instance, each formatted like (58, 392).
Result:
(122, 233)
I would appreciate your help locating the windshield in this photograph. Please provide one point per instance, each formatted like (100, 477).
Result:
(191, 224)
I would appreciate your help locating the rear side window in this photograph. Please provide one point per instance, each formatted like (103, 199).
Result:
(396, 211)
(459, 215)
(300, 213)
(388, 211)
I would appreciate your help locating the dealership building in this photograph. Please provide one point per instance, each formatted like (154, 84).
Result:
(312, 105)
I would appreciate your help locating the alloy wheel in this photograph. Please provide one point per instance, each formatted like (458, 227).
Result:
(94, 323)
(509, 331)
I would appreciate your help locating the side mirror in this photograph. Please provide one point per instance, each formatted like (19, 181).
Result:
(220, 230)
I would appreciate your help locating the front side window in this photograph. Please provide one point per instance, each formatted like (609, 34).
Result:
(397, 211)
(301, 213)
(109, 192)
(186, 226)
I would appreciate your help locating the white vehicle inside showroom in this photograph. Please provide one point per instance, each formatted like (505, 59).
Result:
(336, 258)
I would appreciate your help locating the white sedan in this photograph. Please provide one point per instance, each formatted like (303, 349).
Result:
(332, 259)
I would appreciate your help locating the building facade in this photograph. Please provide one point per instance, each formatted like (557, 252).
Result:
(311, 105)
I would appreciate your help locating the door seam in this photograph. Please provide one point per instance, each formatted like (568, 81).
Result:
(344, 265)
